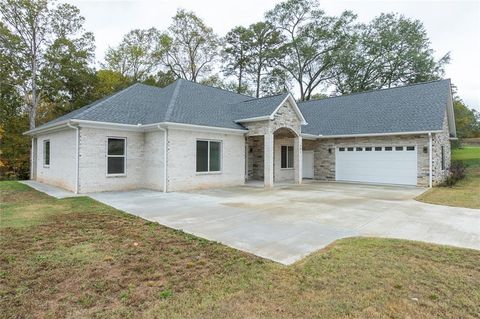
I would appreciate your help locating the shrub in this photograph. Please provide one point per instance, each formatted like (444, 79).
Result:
(456, 173)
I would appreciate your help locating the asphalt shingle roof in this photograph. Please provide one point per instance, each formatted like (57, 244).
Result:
(412, 108)
(419, 107)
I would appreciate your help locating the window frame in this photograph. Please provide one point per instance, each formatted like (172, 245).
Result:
(208, 171)
(287, 157)
(45, 153)
(107, 156)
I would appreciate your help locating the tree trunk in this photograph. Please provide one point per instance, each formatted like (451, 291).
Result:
(34, 98)
(240, 74)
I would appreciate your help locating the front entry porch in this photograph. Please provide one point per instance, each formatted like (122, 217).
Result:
(274, 157)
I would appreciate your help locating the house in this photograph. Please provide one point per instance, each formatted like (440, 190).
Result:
(187, 136)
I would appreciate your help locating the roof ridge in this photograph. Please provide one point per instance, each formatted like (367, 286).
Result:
(375, 90)
(170, 105)
(106, 99)
(214, 87)
(265, 97)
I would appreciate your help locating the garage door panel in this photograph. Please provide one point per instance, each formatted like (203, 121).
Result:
(387, 167)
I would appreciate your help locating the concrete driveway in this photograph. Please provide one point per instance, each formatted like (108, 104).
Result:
(289, 222)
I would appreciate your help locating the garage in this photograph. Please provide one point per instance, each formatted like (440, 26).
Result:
(377, 164)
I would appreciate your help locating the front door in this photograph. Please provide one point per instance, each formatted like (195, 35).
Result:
(307, 164)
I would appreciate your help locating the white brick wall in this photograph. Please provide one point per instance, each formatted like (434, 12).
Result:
(93, 163)
(181, 160)
(62, 168)
(153, 174)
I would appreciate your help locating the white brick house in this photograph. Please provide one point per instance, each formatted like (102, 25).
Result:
(188, 136)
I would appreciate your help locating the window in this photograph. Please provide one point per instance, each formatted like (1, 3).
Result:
(116, 156)
(388, 148)
(378, 148)
(443, 158)
(368, 149)
(410, 148)
(359, 149)
(286, 157)
(46, 153)
(342, 149)
(350, 149)
(208, 156)
(398, 148)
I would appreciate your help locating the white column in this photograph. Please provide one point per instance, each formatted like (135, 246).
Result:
(268, 160)
(297, 159)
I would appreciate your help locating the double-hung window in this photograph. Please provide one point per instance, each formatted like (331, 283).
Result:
(46, 153)
(116, 156)
(286, 157)
(208, 156)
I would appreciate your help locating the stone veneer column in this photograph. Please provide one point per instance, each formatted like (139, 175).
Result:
(268, 160)
(297, 159)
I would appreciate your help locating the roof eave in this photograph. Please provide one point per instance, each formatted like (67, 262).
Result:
(380, 134)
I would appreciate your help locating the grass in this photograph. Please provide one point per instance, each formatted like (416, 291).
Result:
(465, 193)
(78, 258)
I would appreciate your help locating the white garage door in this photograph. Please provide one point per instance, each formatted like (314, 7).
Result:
(377, 164)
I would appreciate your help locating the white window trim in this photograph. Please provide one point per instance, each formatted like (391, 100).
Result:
(209, 172)
(49, 153)
(293, 162)
(124, 155)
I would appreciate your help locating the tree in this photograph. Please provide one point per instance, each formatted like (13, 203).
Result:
(137, 56)
(161, 79)
(236, 57)
(467, 121)
(29, 31)
(263, 42)
(389, 51)
(312, 41)
(189, 48)
(14, 147)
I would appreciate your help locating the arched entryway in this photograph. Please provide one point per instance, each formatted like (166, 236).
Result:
(274, 157)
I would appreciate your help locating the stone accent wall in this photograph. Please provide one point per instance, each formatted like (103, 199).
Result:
(255, 163)
(324, 153)
(440, 140)
(284, 118)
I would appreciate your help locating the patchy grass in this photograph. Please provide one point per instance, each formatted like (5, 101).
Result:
(466, 193)
(78, 258)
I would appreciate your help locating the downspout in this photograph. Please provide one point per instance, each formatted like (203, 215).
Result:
(430, 183)
(77, 145)
(165, 148)
(32, 161)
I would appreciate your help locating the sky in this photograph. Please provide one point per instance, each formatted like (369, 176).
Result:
(452, 26)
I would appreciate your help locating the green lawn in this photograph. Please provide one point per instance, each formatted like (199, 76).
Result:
(465, 193)
(78, 258)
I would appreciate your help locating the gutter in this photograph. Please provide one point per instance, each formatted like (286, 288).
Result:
(379, 134)
(430, 180)
(165, 149)
(77, 154)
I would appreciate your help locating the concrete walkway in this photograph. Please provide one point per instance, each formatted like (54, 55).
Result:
(49, 190)
(290, 222)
